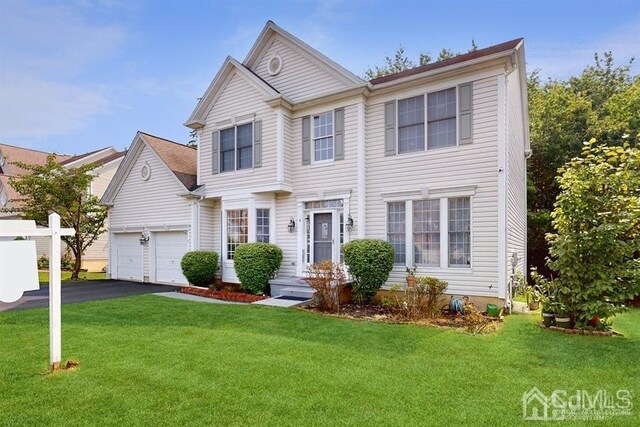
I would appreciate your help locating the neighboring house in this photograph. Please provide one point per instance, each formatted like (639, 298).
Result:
(296, 150)
(105, 160)
(152, 211)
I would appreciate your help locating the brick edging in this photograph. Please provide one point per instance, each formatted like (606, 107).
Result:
(609, 333)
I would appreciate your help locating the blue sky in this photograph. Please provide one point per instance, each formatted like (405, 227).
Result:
(78, 75)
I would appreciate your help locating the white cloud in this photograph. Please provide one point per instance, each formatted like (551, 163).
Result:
(33, 107)
(561, 60)
(44, 49)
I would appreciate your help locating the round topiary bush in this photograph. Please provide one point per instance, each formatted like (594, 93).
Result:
(199, 267)
(255, 264)
(370, 261)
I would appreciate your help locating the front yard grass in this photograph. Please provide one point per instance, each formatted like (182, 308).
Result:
(148, 360)
(43, 276)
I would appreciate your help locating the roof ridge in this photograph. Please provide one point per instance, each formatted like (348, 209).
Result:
(449, 61)
(168, 140)
(33, 149)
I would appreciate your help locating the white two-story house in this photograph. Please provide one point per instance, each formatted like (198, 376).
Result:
(297, 151)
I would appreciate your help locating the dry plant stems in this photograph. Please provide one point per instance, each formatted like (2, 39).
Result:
(420, 301)
(474, 321)
(327, 278)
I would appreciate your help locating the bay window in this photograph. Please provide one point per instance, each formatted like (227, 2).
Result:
(396, 230)
(237, 230)
(459, 232)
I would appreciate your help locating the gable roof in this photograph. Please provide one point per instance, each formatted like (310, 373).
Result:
(109, 158)
(11, 153)
(180, 160)
(106, 151)
(458, 59)
(271, 28)
(196, 120)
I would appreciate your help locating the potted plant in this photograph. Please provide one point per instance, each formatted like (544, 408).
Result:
(563, 318)
(548, 318)
(533, 297)
(411, 276)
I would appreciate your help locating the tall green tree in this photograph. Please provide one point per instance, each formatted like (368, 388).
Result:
(401, 62)
(53, 188)
(595, 244)
(602, 102)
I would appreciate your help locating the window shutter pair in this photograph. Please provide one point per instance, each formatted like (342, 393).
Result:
(257, 148)
(465, 118)
(338, 136)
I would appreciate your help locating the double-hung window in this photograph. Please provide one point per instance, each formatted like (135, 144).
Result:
(459, 232)
(411, 124)
(420, 230)
(236, 148)
(262, 225)
(323, 137)
(396, 230)
(441, 118)
(426, 232)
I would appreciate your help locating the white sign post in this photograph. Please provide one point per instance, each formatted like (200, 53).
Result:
(19, 271)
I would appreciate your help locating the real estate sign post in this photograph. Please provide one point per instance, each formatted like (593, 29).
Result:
(19, 270)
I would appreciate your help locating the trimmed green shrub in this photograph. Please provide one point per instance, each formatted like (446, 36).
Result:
(370, 261)
(199, 267)
(255, 264)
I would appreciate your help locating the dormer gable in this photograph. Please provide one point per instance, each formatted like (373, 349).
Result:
(294, 68)
(229, 68)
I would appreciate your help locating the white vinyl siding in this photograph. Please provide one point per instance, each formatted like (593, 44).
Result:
(465, 165)
(151, 203)
(300, 76)
(516, 175)
(238, 100)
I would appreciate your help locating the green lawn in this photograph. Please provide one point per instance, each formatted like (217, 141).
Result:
(150, 360)
(43, 276)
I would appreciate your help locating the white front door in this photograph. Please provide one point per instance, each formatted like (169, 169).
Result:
(128, 256)
(170, 248)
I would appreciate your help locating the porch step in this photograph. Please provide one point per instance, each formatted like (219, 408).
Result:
(283, 301)
(291, 287)
(297, 292)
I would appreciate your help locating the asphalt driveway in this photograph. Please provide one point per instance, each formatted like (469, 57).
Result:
(87, 290)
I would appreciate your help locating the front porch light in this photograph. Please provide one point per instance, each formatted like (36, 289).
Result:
(349, 223)
(292, 225)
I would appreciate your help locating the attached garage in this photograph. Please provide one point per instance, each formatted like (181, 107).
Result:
(153, 211)
(170, 247)
(127, 252)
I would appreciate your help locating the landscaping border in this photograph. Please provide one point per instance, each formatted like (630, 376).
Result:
(576, 331)
(222, 295)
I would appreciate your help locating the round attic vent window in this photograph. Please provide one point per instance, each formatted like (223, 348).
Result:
(145, 172)
(4, 199)
(275, 65)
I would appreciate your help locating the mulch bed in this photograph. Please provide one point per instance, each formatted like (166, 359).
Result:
(223, 295)
(379, 313)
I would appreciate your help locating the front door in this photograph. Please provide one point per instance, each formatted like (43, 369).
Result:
(322, 237)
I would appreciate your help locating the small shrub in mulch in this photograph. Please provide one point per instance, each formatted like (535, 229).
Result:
(479, 324)
(223, 295)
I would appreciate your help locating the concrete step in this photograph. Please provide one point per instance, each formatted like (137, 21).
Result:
(297, 291)
(283, 301)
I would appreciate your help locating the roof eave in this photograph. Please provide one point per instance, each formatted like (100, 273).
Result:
(446, 69)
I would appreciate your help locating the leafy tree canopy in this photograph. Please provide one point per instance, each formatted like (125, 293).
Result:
(54, 188)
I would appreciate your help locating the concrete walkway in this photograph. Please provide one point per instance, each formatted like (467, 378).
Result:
(196, 298)
(86, 290)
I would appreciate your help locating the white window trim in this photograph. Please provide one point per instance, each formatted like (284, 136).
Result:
(426, 121)
(235, 146)
(313, 138)
(444, 266)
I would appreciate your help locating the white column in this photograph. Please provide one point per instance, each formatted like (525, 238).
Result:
(300, 228)
(362, 175)
(279, 145)
(55, 299)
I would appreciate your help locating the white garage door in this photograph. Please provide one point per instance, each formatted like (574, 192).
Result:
(170, 247)
(128, 256)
